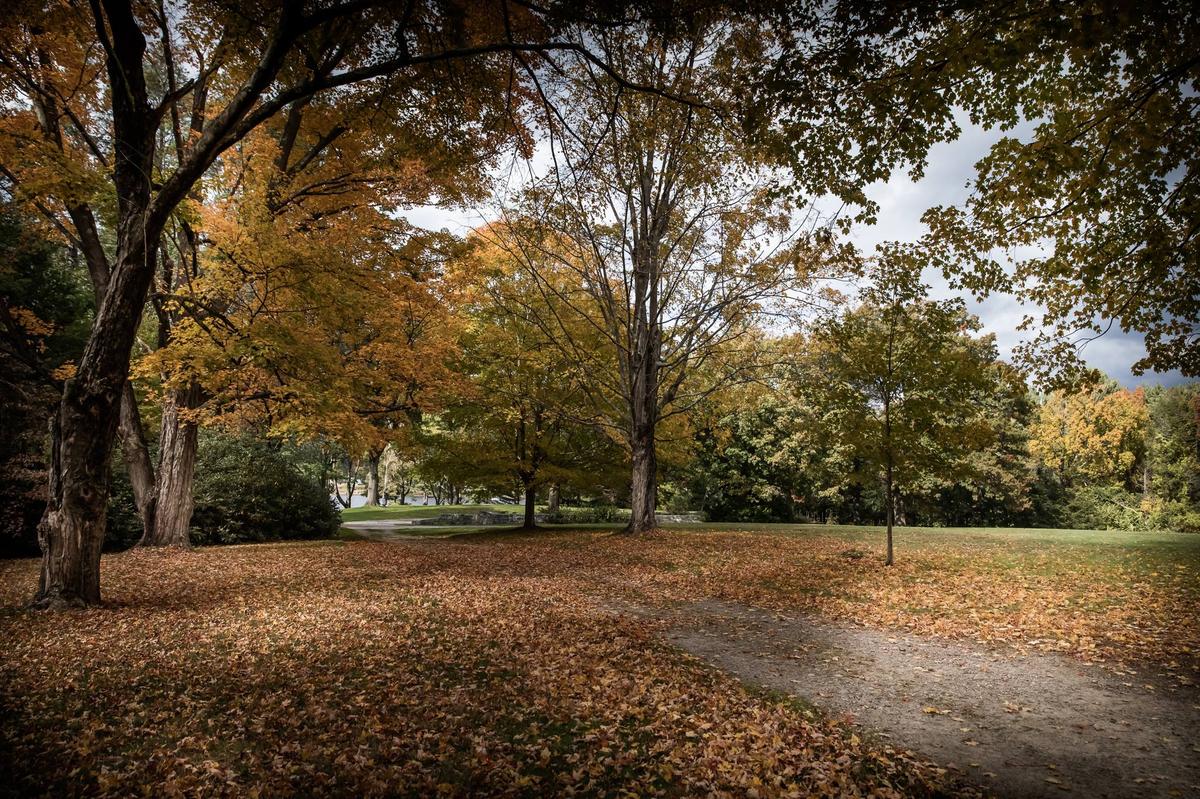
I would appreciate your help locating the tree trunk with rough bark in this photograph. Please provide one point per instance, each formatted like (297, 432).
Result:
(552, 501)
(137, 458)
(644, 493)
(373, 478)
(176, 471)
(643, 409)
(530, 507)
(71, 533)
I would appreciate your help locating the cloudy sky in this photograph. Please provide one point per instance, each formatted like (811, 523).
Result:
(901, 203)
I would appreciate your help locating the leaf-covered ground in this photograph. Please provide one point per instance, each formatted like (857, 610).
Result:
(1114, 598)
(494, 665)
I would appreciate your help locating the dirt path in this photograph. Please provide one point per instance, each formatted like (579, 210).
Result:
(1019, 726)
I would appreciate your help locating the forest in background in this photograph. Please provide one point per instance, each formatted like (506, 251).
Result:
(982, 446)
(213, 292)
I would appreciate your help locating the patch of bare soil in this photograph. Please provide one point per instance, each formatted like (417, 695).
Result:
(1032, 726)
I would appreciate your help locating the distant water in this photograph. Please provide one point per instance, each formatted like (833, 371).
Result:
(358, 501)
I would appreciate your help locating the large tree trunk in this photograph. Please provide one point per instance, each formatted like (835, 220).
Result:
(373, 478)
(176, 471)
(644, 376)
(644, 493)
(72, 531)
(530, 507)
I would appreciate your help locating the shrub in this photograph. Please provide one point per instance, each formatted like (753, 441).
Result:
(246, 490)
(600, 514)
(1105, 508)
(1180, 517)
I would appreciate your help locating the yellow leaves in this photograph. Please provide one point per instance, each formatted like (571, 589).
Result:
(1097, 434)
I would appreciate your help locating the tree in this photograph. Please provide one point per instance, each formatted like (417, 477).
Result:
(1096, 206)
(1173, 457)
(399, 475)
(299, 274)
(745, 467)
(1097, 202)
(996, 487)
(527, 417)
(1095, 436)
(899, 381)
(657, 231)
(84, 107)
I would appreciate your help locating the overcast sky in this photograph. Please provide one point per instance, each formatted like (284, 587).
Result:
(901, 204)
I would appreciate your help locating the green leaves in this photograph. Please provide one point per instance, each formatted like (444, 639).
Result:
(899, 379)
(1093, 213)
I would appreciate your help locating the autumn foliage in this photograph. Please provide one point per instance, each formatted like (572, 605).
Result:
(522, 665)
(367, 669)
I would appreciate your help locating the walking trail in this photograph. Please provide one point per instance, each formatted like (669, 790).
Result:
(1032, 725)
(1019, 726)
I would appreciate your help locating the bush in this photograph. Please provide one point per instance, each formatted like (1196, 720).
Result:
(600, 514)
(246, 491)
(1105, 508)
(1180, 517)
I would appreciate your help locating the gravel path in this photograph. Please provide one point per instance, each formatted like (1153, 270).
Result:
(1031, 726)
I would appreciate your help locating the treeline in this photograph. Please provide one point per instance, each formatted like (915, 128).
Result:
(227, 188)
(897, 404)
(1106, 458)
(889, 384)
(893, 380)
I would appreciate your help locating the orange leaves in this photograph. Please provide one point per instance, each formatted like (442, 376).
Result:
(452, 669)
(496, 666)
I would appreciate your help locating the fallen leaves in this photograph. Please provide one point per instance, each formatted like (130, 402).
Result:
(1097, 604)
(497, 665)
(368, 669)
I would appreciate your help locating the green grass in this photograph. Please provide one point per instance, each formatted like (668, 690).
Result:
(940, 536)
(1005, 550)
(420, 511)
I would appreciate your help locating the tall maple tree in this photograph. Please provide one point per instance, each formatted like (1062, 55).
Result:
(674, 234)
(527, 417)
(89, 93)
(314, 312)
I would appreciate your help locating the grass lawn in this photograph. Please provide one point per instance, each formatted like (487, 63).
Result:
(493, 663)
(419, 511)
